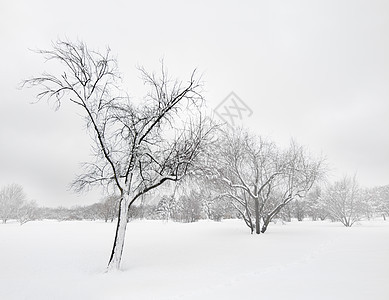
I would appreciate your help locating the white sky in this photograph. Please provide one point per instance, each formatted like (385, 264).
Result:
(317, 71)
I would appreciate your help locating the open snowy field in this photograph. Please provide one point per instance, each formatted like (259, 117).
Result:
(204, 260)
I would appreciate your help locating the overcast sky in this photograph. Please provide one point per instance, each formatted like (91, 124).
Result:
(317, 71)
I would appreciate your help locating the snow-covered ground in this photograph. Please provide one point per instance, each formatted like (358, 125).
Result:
(204, 260)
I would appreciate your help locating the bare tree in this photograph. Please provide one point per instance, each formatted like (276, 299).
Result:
(167, 207)
(260, 179)
(190, 207)
(383, 201)
(299, 209)
(379, 198)
(108, 207)
(343, 201)
(12, 198)
(315, 207)
(29, 211)
(136, 148)
(240, 163)
(296, 177)
(214, 206)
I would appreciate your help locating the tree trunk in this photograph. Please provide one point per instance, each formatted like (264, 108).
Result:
(265, 224)
(270, 217)
(257, 220)
(118, 244)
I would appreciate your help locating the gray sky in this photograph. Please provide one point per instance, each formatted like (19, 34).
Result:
(317, 71)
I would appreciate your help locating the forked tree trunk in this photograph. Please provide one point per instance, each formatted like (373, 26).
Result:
(118, 244)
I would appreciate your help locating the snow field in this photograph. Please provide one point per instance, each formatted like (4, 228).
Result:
(203, 260)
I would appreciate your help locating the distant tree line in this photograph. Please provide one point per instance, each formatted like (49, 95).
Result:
(342, 201)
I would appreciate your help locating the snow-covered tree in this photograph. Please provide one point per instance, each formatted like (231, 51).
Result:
(379, 198)
(259, 178)
(29, 211)
(108, 207)
(299, 172)
(215, 207)
(343, 201)
(383, 206)
(167, 207)
(190, 207)
(137, 147)
(12, 198)
(299, 208)
(316, 208)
